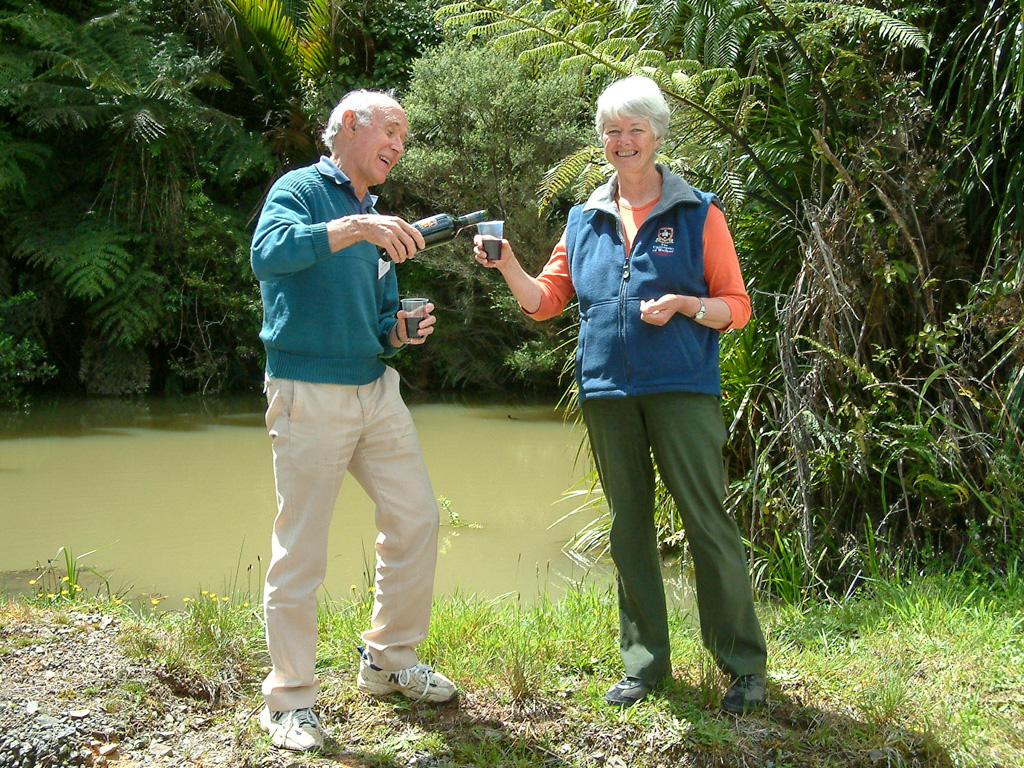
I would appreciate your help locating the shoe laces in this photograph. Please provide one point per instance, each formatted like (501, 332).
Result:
(305, 718)
(422, 674)
(747, 682)
(628, 684)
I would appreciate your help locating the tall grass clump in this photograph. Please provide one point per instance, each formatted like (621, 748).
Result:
(60, 580)
(213, 648)
(520, 653)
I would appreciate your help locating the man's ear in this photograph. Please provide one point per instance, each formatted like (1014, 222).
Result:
(348, 122)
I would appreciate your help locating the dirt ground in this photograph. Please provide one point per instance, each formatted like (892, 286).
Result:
(70, 695)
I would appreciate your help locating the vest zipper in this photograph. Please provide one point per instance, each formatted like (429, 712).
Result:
(622, 301)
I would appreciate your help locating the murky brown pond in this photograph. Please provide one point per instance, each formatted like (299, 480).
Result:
(170, 497)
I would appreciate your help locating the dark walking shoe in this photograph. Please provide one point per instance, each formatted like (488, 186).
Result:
(746, 694)
(627, 692)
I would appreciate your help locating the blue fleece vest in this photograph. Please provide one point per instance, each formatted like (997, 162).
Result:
(618, 354)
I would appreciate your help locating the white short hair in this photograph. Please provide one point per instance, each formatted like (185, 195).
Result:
(362, 102)
(634, 96)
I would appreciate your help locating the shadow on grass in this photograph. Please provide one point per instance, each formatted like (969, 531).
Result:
(677, 726)
(790, 732)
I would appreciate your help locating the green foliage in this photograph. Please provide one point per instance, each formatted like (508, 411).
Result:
(87, 260)
(482, 131)
(129, 97)
(299, 58)
(214, 646)
(978, 82)
(922, 671)
(860, 393)
(214, 342)
(22, 359)
(17, 160)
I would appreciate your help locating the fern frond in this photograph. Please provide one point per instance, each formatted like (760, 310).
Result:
(569, 172)
(683, 70)
(747, 107)
(556, 51)
(513, 42)
(472, 17)
(618, 47)
(865, 19)
(267, 21)
(163, 87)
(15, 68)
(140, 125)
(578, 65)
(668, 17)
(66, 116)
(647, 59)
(14, 156)
(52, 31)
(71, 68)
(727, 90)
(313, 37)
(108, 80)
(457, 11)
(88, 261)
(589, 32)
(211, 80)
(128, 314)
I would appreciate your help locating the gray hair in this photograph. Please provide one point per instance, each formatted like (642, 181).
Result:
(362, 102)
(635, 96)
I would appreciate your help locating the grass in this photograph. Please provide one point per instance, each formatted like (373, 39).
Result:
(928, 672)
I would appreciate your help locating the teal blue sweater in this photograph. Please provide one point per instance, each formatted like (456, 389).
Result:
(327, 316)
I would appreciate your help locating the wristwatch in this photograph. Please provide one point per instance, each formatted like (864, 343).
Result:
(702, 311)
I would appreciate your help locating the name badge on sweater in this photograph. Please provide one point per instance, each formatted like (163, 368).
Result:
(382, 268)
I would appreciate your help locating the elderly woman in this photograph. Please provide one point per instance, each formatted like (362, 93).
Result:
(655, 269)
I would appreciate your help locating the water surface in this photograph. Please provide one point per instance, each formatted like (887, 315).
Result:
(174, 496)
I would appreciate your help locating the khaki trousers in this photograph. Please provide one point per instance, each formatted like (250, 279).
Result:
(320, 432)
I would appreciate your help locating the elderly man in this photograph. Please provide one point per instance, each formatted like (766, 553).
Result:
(331, 317)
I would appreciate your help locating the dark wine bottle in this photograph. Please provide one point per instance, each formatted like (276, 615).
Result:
(442, 228)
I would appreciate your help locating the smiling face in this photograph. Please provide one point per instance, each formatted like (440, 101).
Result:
(367, 153)
(629, 144)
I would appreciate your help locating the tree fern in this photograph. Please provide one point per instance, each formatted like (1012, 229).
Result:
(274, 33)
(579, 172)
(129, 313)
(88, 260)
(16, 160)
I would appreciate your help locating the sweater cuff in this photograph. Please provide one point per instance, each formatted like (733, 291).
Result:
(389, 349)
(321, 242)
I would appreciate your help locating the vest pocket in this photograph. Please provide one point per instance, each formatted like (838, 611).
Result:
(599, 360)
(666, 354)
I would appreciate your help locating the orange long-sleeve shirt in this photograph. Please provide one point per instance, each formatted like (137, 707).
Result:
(721, 267)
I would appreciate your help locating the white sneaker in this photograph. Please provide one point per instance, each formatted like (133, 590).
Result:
(297, 729)
(419, 682)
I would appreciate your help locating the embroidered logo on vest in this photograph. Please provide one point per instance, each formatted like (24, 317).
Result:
(664, 245)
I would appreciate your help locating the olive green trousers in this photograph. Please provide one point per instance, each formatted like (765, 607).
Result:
(685, 433)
